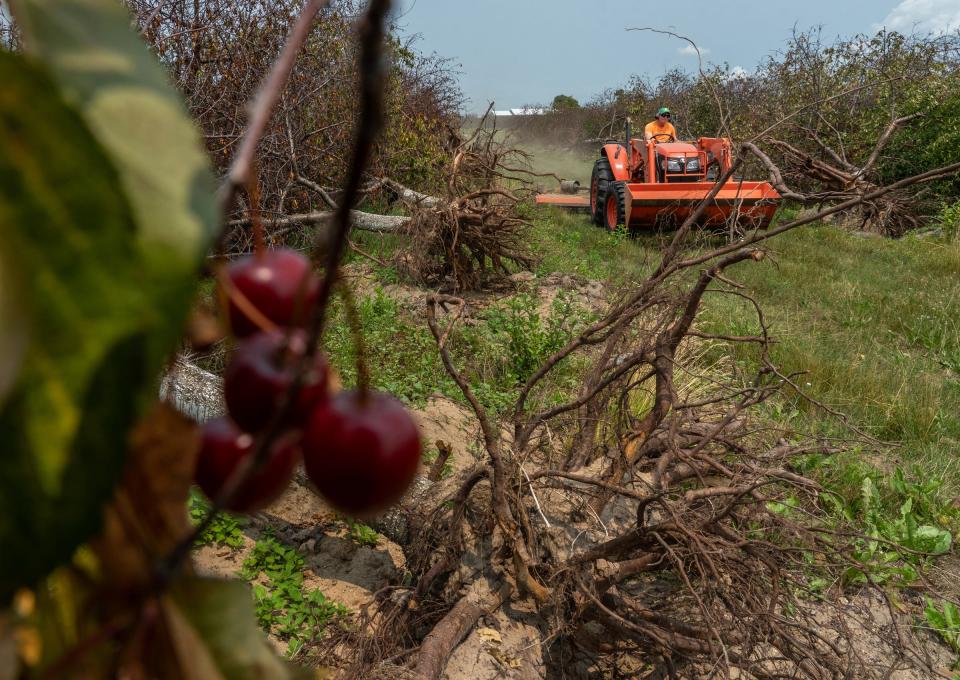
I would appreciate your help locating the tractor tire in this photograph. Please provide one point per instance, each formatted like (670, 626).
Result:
(600, 179)
(613, 211)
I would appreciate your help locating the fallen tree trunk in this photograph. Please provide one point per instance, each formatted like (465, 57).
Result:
(408, 195)
(364, 221)
(441, 641)
(194, 392)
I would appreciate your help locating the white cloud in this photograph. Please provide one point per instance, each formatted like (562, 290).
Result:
(923, 16)
(737, 73)
(688, 51)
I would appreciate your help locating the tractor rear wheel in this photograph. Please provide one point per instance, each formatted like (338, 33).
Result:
(613, 213)
(599, 181)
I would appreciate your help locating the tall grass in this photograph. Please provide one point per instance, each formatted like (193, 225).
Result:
(873, 323)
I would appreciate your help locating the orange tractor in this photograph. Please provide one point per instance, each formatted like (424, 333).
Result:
(658, 183)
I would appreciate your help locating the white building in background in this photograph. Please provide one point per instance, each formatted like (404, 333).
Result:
(525, 111)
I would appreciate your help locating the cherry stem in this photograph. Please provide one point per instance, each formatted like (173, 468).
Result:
(356, 331)
(253, 193)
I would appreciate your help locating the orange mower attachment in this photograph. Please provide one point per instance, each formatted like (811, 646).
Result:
(567, 198)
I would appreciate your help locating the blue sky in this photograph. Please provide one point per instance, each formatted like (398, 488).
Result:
(518, 52)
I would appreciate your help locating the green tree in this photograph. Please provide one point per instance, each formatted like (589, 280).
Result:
(563, 102)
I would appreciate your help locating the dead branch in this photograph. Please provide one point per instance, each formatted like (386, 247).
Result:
(453, 628)
(889, 212)
(407, 194)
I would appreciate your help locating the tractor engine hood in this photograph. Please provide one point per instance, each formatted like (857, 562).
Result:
(668, 149)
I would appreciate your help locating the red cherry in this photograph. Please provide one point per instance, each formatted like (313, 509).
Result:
(279, 283)
(224, 445)
(260, 373)
(361, 453)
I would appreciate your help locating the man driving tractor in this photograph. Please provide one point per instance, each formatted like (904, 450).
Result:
(661, 129)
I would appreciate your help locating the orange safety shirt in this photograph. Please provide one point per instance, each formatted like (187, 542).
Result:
(654, 128)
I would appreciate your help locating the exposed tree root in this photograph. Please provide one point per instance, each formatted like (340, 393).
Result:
(838, 180)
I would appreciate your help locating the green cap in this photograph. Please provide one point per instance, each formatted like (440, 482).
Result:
(663, 110)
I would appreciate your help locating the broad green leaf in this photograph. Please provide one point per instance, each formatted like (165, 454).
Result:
(933, 539)
(83, 303)
(124, 96)
(109, 212)
(933, 615)
(191, 658)
(951, 615)
(222, 615)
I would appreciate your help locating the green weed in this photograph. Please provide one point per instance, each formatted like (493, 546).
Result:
(906, 518)
(225, 531)
(945, 620)
(889, 561)
(496, 356)
(402, 355)
(515, 340)
(949, 220)
(283, 605)
(360, 533)
(526, 339)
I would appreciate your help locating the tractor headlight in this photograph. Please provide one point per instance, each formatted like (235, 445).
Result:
(674, 165)
(693, 165)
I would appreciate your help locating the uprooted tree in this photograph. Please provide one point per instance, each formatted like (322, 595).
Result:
(469, 233)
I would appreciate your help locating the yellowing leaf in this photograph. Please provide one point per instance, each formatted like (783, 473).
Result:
(191, 656)
(109, 207)
(64, 423)
(489, 635)
(146, 517)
